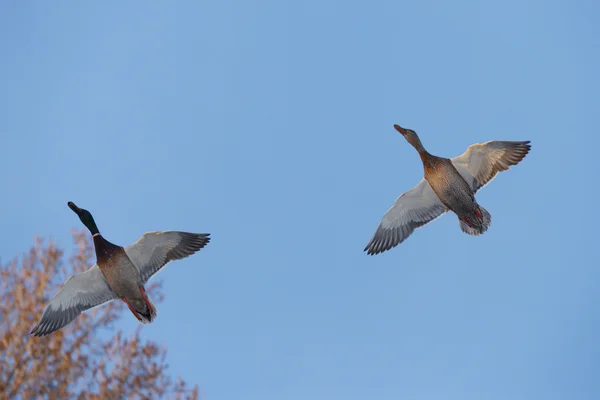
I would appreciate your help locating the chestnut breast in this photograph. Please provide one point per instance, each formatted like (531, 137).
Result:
(118, 270)
(448, 184)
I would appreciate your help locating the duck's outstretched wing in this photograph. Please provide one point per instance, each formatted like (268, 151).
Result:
(79, 293)
(155, 249)
(482, 161)
(411, 210)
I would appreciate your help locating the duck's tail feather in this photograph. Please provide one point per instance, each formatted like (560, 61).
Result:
(477, 229)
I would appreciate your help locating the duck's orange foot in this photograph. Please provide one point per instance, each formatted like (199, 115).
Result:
(145, 298)
(135, 313)
(478, 214)
(467, 222)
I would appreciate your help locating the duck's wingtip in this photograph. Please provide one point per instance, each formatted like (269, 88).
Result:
(373, 250)
(36, 332)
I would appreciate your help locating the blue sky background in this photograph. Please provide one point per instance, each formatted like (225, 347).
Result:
(269, 125)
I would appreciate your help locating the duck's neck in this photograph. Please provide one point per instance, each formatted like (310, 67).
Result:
(412, 138)
(416, 142)
(101, 243)
(425, 156)
(104, 250)
(98, 240)
(91, 225)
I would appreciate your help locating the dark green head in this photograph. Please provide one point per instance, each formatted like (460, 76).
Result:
(85, 216)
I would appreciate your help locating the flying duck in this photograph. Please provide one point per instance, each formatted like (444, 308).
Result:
(119, 273)
(448, 185)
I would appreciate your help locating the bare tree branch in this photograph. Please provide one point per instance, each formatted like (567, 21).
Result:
(87, 359)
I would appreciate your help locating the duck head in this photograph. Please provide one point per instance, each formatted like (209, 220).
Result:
(411, 137)
(85, 216)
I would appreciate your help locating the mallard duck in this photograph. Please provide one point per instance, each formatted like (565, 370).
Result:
(119, 273)
(448, 185)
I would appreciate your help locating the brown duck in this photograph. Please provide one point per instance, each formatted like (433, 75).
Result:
(448, 185)
(119, 273)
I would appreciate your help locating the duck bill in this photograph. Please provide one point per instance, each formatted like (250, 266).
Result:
(400, 129)
(73, 207)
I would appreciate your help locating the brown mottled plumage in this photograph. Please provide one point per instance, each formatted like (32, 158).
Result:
(448, 185)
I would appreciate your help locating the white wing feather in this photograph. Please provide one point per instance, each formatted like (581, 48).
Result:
(481, 162)
(411, 210)
(79, 293)
(155, 249)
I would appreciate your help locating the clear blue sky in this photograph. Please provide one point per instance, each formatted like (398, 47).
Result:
(269, 125)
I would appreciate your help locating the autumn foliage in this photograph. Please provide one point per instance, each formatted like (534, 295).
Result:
(88, 359)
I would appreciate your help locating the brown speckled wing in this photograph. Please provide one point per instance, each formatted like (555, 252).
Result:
(411, 210)
(79, 293)
(155, 249)
(482, 162)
